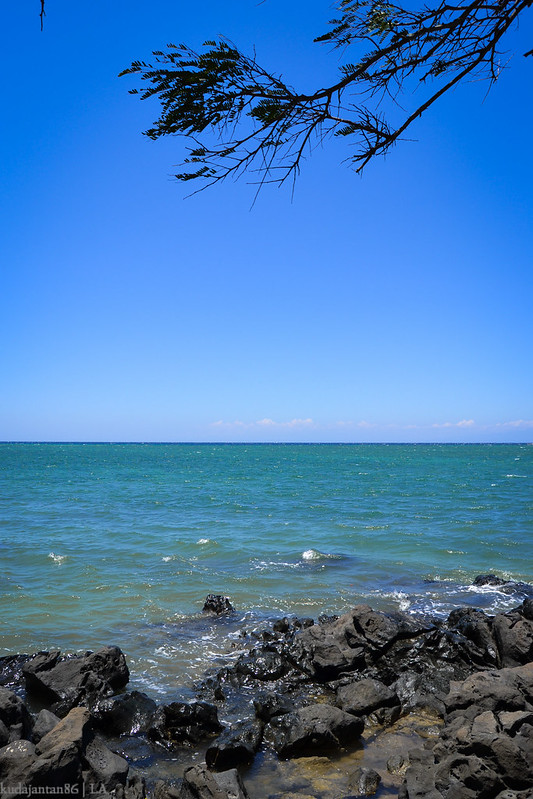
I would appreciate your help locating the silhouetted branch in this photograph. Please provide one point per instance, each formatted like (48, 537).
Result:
(255, 122)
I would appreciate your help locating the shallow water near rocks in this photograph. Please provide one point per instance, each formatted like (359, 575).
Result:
(120, 543)
(319, 777)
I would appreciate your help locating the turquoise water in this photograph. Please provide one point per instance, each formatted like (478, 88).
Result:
(120, 543)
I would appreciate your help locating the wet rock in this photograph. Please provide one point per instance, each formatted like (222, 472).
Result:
(44, 723)
(236, 746)
(127, 713)
(397, 764)
(216, 603)
(71, 681)
(103, 769)
(200, 783)
(268, 704)
(526, 609)
(514, 638)
(364, 782)
(135, 788)
(14, 716)
(476, 627)
(281, 625)
(488, 579)
(367, 697)
(166, 790)
(314, 729)
(265, 664)
(183, 722)
(304, 623)
(11, 670)
(16, 760)
(423, 690)
(352, 642)
(381, 630)
(4, 734)
(324, 652)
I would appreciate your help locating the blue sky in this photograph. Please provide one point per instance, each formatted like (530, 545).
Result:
(395, 306)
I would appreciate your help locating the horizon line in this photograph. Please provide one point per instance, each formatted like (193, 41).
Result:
(270, 443)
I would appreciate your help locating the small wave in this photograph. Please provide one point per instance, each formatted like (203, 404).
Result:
(315, 554)
(202, 541)
(57, 558)
(166, 558)
(266, 565)
(400, 597)
(516, 475)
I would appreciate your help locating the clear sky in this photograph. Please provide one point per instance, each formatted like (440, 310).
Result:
(396, 306)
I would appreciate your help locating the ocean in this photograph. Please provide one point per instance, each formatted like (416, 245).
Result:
(121, 543)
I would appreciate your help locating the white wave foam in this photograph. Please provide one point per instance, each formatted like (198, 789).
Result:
(57, 558)
(166, 558)
(203, 541)
(265, 565)
(516, 475)
(315, 554)
(404, 602)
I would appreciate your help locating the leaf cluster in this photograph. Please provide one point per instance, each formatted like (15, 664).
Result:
(255, 122)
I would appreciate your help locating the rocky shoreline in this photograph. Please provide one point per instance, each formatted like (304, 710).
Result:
(304, 694)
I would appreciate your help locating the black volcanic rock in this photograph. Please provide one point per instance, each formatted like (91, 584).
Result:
(216, 603)
(314, 729)
(78, 679)
(185, 723)
(235, 746)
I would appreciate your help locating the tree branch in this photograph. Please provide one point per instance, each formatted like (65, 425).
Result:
(220, 92)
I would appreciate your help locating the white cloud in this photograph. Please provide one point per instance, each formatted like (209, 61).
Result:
(462, 423)
(266, 422)
(517, 423)
(293, 423)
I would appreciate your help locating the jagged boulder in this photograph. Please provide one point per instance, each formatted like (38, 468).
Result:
(71, 681)
(16, 760)
(103, 769)
(216, 603)
(127, 713)
(59, 753)
(268, 704)
(514, 638)
(200, 783)
(185, 722)
(235, 746)
(16, 722)
(314, 729)
(364, 782)
(369, 697)
(44, 723)
(354, 641)
(485, 747)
